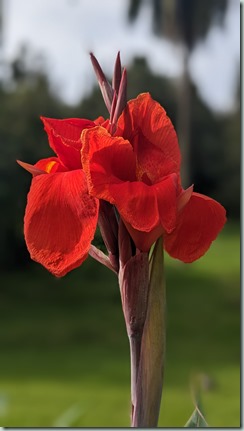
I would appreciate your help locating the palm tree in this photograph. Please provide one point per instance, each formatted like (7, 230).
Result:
(184, 22)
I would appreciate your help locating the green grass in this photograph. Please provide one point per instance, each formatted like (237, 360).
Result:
(64, 357)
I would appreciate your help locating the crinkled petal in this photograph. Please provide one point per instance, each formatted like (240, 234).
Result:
(106, 160)
(109, 164)
(198, 225)
(64, 138)
(137, 204)
(145, 124)
(145, 207)
(60, 221)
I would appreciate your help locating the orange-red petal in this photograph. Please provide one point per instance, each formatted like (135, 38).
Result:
(64, 138)
(198, 226)
(145, 124)
(137, 204)
(145, 207)
(106, 160)
(144, 240)
(60, 221)
(109, 164)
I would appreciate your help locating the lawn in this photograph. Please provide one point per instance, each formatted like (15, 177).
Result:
(64, 357)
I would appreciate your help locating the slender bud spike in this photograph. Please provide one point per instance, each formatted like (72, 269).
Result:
(122, 97)
(109, 230)
(125, 250)
(112, 127)
(30, 168)
(105, 87)
(117, 74)
(113, 107)
(101, 257)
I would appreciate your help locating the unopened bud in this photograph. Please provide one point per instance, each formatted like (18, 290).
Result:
(105, 87)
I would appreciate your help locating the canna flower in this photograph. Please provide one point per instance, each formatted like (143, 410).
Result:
(124, 175)
(138, 170)
(60, 217)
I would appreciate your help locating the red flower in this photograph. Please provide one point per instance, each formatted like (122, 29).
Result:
(60, 217)
(138, 171)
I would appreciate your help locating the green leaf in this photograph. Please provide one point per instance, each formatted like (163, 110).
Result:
(196, 420)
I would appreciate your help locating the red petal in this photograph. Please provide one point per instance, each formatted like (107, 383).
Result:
(137, 204)
(60, 221)
(184, 197)
(146, 207)
(64, 138)
(144, 240)
(145, 124)
(106, 160)
(167, 203)
(109, 164)
(99, 121)
(199, 224)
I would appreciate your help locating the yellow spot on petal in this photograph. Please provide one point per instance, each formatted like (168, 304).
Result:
(49, 166)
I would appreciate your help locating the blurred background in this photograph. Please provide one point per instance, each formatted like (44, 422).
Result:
(64, 355)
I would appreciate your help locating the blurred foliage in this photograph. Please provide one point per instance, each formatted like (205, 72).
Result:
(26, 94)
(188, 20)
(64, 348)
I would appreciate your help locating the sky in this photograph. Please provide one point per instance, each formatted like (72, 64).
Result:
(65, 31)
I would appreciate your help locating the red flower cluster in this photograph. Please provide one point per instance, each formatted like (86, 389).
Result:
(138, 171)
(136, 168)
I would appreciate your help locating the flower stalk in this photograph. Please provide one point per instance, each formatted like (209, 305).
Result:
(152, 357)
(142, 288)
(108, 226)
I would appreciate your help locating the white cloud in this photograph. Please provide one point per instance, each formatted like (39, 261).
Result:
(215, 61)
(67, 30)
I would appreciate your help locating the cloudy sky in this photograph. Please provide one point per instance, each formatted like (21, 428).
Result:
(66, 30)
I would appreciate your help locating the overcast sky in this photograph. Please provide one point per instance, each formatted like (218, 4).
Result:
(66, 30)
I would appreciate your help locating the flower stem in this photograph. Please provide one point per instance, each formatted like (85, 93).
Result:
(142, 288)
(135, 351)
(148, 353)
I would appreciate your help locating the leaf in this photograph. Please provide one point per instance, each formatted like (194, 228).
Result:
(196, 420)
